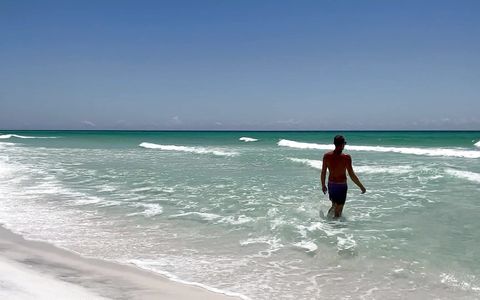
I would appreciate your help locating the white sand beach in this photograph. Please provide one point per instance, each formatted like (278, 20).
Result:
(38, 270)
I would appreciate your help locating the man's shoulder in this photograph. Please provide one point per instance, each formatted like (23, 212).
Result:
(329, 153)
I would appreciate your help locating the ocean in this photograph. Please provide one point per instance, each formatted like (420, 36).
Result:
(241, 212)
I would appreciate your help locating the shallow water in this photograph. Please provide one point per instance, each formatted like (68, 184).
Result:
(244, 216)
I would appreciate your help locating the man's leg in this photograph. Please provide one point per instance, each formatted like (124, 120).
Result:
(332, 209)
(338, 210)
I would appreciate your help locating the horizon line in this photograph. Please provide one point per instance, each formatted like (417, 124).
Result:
(253, 130)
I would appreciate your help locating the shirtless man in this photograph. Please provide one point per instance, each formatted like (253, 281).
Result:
(337, 164)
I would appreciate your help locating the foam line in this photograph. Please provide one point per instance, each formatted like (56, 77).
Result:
(147, 265)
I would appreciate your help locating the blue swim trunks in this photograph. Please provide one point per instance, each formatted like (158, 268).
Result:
(337, 192)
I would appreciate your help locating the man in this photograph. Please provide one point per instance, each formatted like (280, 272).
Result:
(337, 164)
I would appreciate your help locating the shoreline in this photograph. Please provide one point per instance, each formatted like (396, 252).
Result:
(37, 264)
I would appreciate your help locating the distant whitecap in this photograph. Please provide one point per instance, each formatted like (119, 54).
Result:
(8, 136)
(247, 139)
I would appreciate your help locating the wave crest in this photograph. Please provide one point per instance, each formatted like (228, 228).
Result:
(198, 150)
(8, 136)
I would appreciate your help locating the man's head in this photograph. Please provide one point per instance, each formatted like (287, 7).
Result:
(339, 142)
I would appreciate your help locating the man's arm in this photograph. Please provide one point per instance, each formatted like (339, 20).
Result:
(353, 176)
(324, 174)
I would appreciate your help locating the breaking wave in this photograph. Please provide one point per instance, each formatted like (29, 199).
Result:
(316, 164)
(198, 150)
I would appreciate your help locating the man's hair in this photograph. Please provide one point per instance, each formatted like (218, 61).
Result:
(338, 140)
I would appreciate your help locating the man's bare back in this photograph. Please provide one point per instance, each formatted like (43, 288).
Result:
(338, 164)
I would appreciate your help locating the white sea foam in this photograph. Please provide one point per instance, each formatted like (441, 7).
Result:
(448, 152)
(8, 136)
(10, 172)
(322, 227)
(247, 139)
(477, 144)
(151, 209)
(6, 144)
(309, 246)
(346, 244)
(273, 243)
(257, 240)
(198, 150)
(451, 280)
(7, 171)
(82, 199)
(142, 189)
(471, 176)
(110, 203)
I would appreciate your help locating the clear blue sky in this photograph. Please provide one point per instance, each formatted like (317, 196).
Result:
(239, 64)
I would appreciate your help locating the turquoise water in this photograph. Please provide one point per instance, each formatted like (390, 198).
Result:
(244, 217)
